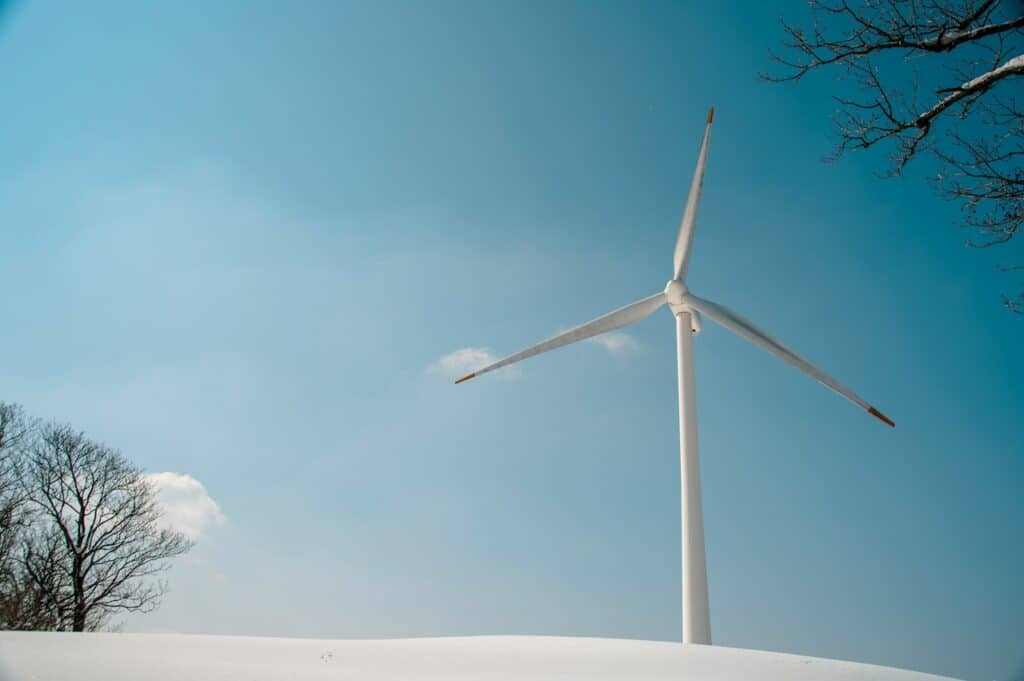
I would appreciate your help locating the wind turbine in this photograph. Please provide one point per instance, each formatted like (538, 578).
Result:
(688, 309)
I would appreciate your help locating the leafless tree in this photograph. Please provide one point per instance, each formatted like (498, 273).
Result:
(931, 76)
(15, 429)
(97, 547)
(26, 600)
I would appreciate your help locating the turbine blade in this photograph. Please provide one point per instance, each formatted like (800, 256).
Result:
(624, 316)
(681, 258)
(745, 328)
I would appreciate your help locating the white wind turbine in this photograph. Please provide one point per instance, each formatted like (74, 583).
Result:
(687, 309)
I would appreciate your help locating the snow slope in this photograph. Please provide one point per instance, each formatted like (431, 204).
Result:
(40, 656)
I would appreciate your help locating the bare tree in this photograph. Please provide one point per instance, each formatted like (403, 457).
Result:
(97, 548)
(26, 600)
(15, 429)
(930, 76)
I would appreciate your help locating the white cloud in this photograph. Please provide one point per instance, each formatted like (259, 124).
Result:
(616, 342)
(185, 503)
(465, 360)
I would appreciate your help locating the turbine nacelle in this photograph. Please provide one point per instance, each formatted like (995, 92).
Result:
(676, 292)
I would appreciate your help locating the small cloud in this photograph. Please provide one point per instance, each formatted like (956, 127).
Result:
(465, 360)
(185, 504)
(616, 342)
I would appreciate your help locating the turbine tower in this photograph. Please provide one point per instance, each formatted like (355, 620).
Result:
(687, 309)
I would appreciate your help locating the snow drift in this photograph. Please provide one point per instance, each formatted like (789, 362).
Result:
(40, 656)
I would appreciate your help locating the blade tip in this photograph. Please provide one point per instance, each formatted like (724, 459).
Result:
(465, 378)
(711, 115)
(881, 417)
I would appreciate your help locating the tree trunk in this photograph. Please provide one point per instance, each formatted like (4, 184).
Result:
(78, 584)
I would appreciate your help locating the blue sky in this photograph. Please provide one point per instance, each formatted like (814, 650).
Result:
(238, 237)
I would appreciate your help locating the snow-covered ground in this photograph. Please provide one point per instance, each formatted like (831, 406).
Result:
(166, 657)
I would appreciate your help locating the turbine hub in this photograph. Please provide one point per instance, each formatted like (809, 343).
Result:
(674, 292)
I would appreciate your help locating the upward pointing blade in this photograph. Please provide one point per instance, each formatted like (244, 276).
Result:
(684, 241)
(744, 327)
(624, 316)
